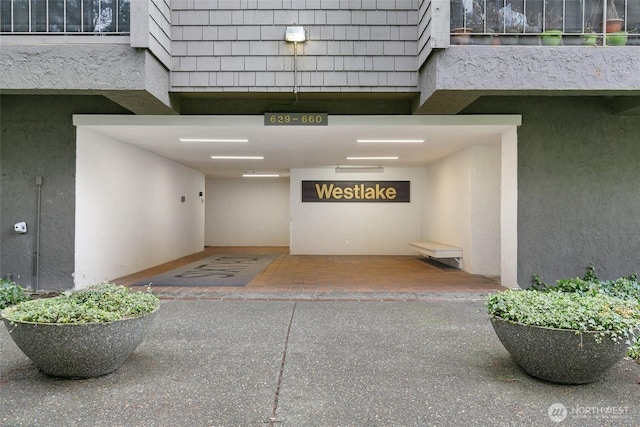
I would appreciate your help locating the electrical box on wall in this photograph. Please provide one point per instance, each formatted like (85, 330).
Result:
(20, 227)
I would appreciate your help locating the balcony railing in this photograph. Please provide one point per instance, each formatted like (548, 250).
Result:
(65, 16)
(545, 22)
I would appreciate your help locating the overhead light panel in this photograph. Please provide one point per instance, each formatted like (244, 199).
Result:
(211, 140)
(237, 157)
(374, 158)
(260, 175)
(390, 141)
(295, 34)
(359, 169)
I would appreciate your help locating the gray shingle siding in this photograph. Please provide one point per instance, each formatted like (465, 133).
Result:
(353, 45)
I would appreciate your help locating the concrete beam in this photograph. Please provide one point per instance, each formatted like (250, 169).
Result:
(142, 102)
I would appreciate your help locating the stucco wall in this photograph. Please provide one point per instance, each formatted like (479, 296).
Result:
(247, 212)
(130, 211)
(578, 186)
(38, 139)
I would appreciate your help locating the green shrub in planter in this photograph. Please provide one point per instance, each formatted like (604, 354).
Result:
(97, 304)
(563, 310)
(626, 288)
(634, 352)
(564, 337)
(11, 293)
(81, 334)
(590, 284)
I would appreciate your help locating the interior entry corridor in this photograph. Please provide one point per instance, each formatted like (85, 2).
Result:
(152, 192)
(299, 276)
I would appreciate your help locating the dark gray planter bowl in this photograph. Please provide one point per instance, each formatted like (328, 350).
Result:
(79, 350)
(559, 355)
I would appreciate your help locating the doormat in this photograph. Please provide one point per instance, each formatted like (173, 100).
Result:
(217, 270)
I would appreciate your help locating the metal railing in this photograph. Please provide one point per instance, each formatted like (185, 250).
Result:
(536, 21)
(65, 16)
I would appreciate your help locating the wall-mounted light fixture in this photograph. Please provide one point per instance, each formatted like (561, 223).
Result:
(358, 169)
(295, 34)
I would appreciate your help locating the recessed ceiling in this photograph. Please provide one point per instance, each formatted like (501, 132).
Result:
(289, 147)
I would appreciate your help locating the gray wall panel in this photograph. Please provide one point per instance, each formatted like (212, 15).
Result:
(38, 139)
(339, 36)
(578, 186)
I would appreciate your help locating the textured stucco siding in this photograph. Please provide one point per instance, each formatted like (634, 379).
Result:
(60, 67)
(134, 78)
(453, 78)
(572, 68)
(578, 186)
(360, 46)
(38, 139)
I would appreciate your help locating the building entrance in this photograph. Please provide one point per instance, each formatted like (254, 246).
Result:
(461, 175)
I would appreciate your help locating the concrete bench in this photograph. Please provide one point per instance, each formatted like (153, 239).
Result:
(438, 250)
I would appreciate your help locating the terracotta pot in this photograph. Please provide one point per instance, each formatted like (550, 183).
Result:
(613, 25)
(460, 36)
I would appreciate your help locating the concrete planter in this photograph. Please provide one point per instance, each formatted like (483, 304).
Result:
(559, 355)
(79, 350)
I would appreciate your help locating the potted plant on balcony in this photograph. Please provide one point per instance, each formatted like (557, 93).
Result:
(634, 34)
(81, 334)
(461, 36)
(552, 35)
(571, 333)
(511, 24)
(590, 36)
(614, 36)
(613, 23)
(469, 18)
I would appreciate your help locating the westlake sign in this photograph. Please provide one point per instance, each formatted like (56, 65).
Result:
(356, 191)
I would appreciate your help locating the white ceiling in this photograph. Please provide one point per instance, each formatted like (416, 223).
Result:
(289, 147)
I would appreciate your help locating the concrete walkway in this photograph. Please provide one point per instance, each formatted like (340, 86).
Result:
(245, 362)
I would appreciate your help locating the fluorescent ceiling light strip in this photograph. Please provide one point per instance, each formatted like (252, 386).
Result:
(374, 158)
(359, 169)
(211, 140)
(260, 175)
(391, 141)
(237, 157)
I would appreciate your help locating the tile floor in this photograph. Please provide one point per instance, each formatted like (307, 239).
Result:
(295, 274)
